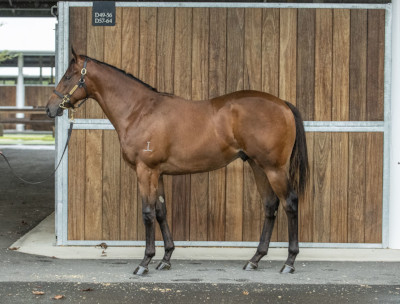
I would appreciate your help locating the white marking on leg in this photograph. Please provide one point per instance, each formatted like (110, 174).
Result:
(161, 199)
(148, 148)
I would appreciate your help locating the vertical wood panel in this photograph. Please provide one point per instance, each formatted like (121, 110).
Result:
(358, 64)
(374, 186)
(375, 64)
(217, 86)
(199, 182)
(305, 62)
(306, 205)
(95, 49)
(78, 40)
(76, 186)
(165, 82)
(341, 58)
(270, 51)
(322, 182)
(356, 190)
(253, 215)
(182, 87)
(287, 54)
(128, 187)
(234, 82)
(287, 82)
(323, 64)
(339, 185)
(94, 185)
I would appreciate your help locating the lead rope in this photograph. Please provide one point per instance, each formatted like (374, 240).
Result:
(52, 173)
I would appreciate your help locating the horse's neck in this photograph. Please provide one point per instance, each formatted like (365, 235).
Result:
(122, 99)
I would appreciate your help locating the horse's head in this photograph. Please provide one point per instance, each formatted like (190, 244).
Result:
(70, 89)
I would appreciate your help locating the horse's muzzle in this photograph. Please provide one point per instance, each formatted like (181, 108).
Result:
(53, 113)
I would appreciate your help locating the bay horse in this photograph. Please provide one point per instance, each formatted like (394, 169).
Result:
(162, 133)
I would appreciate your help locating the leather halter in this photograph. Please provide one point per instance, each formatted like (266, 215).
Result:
(66, 99)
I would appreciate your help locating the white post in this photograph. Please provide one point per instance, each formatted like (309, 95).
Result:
(20, 91)
(394, 204)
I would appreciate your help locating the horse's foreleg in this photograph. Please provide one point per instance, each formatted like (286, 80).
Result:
(148, 190)
(161, 214)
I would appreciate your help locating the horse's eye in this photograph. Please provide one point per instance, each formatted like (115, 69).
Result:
(67, 77)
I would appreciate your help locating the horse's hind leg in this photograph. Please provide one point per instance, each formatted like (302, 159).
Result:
(271, 204)
(280, 185)
(161, 214)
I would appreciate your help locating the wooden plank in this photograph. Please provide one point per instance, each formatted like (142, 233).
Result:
(322, 182)
(323, 65)
(306, 205)
(358, 64)
(374, 188)
(111, 145)
(111, 185)
(217, 87)
(234, 82)
(287, 54)
(357, 187)
(375, 64)
(128, 187)
(165, 82)
(253, 213)
(305, 62)
(182, 87)
(199, 182)
(95, 49)
(76, 186)
(287, 82)
(341, 59)
(78, 40)
(339, 185)
(270, 51)
(94, 185)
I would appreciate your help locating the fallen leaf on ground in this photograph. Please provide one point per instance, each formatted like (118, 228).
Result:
(38, 293)
(246, 293)
(87, 289)
(58, 297)
(13, 248)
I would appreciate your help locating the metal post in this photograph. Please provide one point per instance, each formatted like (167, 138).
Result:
(394, 204)
(20, 91)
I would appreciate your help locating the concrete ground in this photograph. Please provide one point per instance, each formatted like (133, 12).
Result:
(370, 277)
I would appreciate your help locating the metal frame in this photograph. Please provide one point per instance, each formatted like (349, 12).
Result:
(62, 124)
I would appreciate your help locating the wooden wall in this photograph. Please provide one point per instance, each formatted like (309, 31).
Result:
(327, 62)
(35, 95)
(7, 99)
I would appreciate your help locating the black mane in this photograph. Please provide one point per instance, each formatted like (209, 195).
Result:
(123, 72)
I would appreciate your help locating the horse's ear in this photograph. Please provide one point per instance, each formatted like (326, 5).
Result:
(74, 54)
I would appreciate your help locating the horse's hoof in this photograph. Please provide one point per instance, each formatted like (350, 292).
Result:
(140, 270)
(250, 266)
(163, 265)
(287, 269)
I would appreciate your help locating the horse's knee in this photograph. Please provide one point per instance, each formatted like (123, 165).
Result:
(148, 214)
(291, 204)
(271, 207)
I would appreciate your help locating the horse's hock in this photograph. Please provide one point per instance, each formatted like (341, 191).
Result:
(327, 61)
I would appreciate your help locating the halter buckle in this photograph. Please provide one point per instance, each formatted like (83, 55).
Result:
(83, 71)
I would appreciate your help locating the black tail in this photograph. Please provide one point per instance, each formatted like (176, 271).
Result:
(299, 170)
